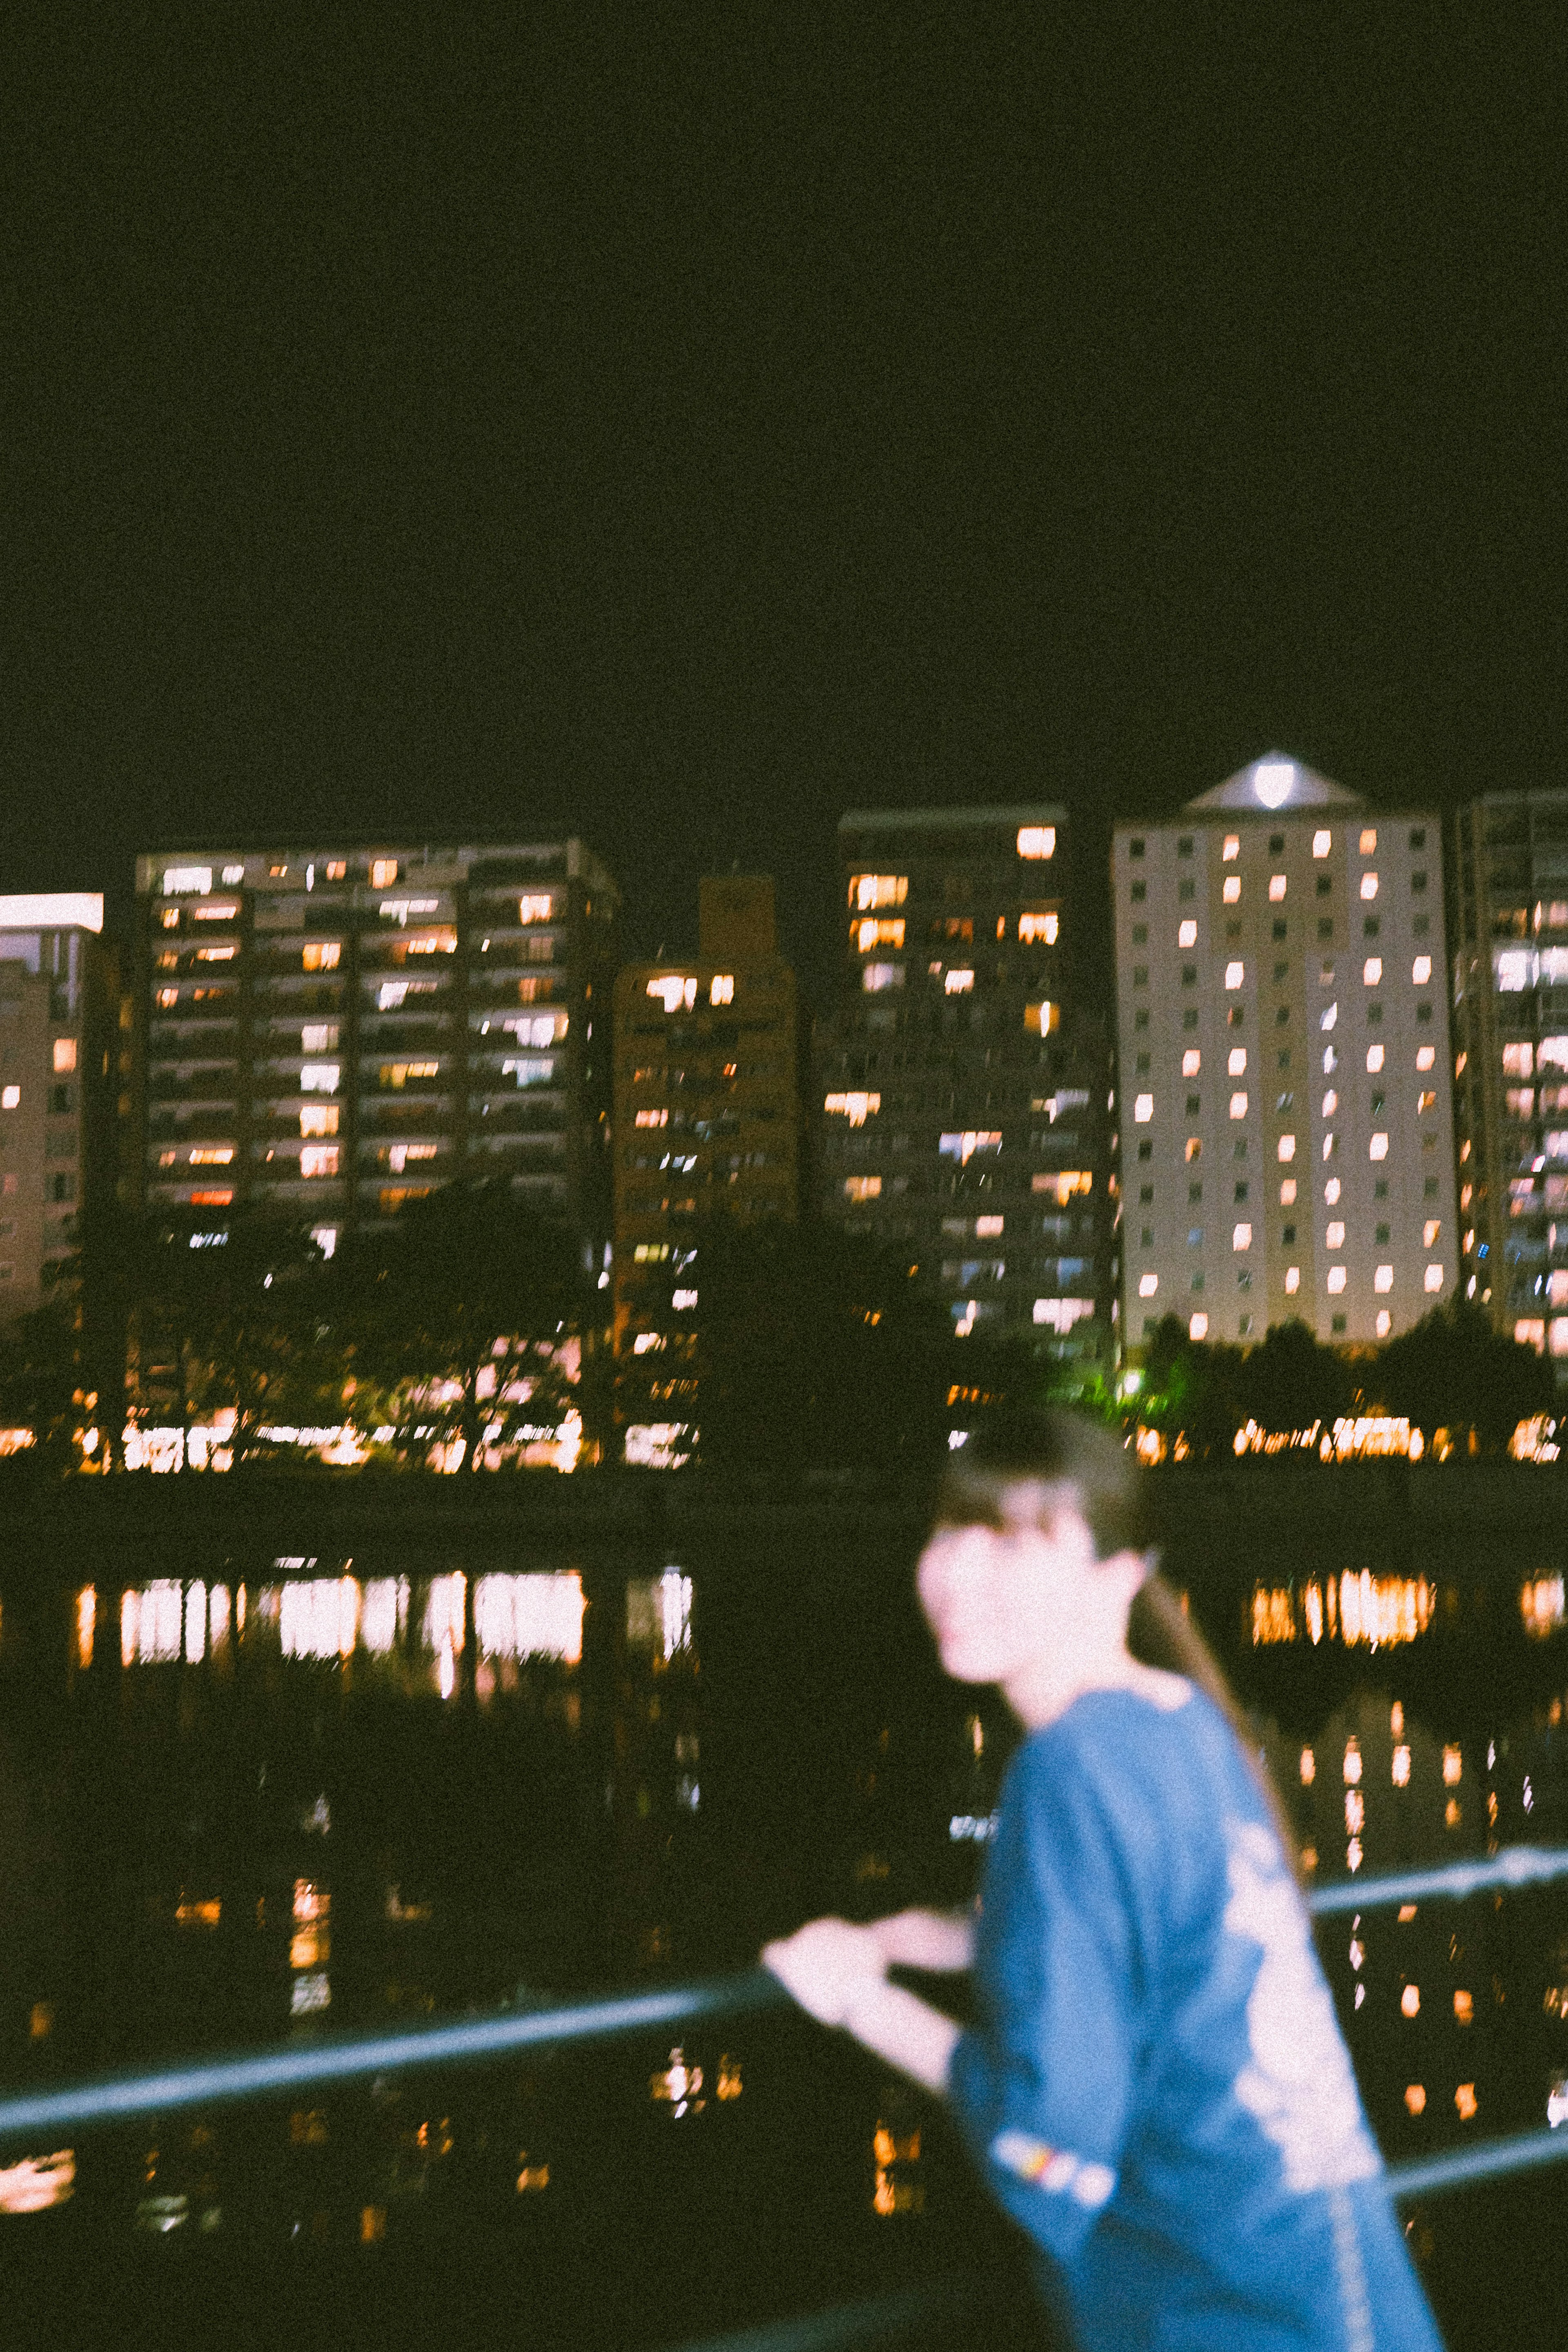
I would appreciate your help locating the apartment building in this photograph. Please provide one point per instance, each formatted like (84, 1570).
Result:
(965, 1105)
(1508, 871)
(1282, 1026)
(706, 1125)
(326, 1033)
(57, 995)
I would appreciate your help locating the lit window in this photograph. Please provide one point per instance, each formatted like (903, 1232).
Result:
(1231, 848)
(1288, 1150)
(1372, 970)
(1194, 1147)
(1276, 887)
(318, 1037)
(1063, 1184)
(322, 955)
(1187, 934)
(383, 872)
(869, 891)
(1383, 1278)
(233, 874)
(1330, 1103)
(879, 931)
(1147, 1284)
(224, 954)
(1421, 971)
(1369, 842)
(721, 988)
(874, 977)
(1378, 1147)
(212, 1155)
(169, 918)
(862, 1188)
(1238, 1105)
(1416, 2097)
(318, 1160)
(65, 1052)
(1336, 1279)
(1292, 1278)
(1039, 1020)
(1231, 892)
(1233, 975)
(1241, 1237)
(1321, 843)
(1035, 927)
(855, 1108)
(1330, 1191)
(1430, 1232)
(1191, 1062)
(319, 1078)
(959, 983)
(1427, 1056)
(1433, 1278)
(1143, 1109)
(987, 1228)
(1518, 1061)
(662, 1117)
(683, 1300)
(221, 910)
(673, 990)
(318, 1118)
(1326, 1020)
(1197, 1326)
(1425, 1101)
(535, 908)
(168, 997)
(1369, 885)
(1238, 1064)
(1374, 1059)
(337, 871)
(647, 1343)
(1453, 1766)
(1330, 1146)
(1336, 1236)
(1036, 841)
(10, 1097)
(179, 880)
(1384, 1323)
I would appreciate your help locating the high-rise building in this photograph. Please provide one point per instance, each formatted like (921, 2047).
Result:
(56, 1016)
(326, 1033)
(964, 1108)
(706, 1126)
(1283, 1036)
(1509, 938)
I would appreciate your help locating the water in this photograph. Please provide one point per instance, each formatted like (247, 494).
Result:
(279, 1794)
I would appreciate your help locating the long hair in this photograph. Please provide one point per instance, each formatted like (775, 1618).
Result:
(1090, 1470)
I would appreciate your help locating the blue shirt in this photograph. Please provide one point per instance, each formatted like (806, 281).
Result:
(1158, 2091)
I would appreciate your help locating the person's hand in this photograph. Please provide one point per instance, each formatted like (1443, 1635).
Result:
(825, 1965)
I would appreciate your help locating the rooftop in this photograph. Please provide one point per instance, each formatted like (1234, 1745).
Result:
(1273, 783)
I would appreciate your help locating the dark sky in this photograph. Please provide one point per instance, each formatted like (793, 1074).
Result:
(679, 426)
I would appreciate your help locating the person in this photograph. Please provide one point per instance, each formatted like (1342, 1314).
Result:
(1157, 2089)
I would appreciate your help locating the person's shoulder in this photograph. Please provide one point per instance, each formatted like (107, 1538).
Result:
(1143, 1763)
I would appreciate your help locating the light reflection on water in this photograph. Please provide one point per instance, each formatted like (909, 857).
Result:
(342, 1792)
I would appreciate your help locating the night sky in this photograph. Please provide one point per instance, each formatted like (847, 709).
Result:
(680, 427)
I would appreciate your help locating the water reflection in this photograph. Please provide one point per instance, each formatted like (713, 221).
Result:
(306, 1793)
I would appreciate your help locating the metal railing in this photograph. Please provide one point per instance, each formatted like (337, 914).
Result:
(253, 2074)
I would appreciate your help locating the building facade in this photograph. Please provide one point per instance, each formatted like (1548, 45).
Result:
(1508, 938)
(1282, 1026)
(56, 1037)
(326, 1034)
(706, 1126)
(965, 1109)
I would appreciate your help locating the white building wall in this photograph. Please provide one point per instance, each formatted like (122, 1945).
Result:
(1283, 1014)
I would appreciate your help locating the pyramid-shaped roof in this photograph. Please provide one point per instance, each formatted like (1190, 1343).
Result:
(1273, 783)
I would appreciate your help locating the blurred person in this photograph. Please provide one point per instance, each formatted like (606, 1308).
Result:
(1157, 2090)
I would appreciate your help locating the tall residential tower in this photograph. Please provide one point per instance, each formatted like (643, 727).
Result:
(965, 1105)
(1284, 1063)
(56, 1037)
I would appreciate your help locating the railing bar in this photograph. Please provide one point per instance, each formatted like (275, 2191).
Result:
(1458, 2166)
(850, 2322)
(467, 2039)
(1517, 1866)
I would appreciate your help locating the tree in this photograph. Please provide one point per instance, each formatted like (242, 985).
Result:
(1453, 1370)
(1291, 1380)
(468, 1269)
(817, 1349)
(1191, 1388)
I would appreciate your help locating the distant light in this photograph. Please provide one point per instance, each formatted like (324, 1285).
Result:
(1197, 1328)
(54, 910)
(1274, 780)
(1036, 841)
(1233, 975)
(1186, 935)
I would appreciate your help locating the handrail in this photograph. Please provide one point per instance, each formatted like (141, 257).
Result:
(462, 2041)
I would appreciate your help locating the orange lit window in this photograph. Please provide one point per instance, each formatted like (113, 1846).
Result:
(322, 955)
(65, 1052)
(383, 872)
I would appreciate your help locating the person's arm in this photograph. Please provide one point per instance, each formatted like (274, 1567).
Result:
(940, 1941)
(838, 1973)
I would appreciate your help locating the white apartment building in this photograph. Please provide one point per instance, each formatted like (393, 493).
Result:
(1285, 1073)
(55, 1137)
